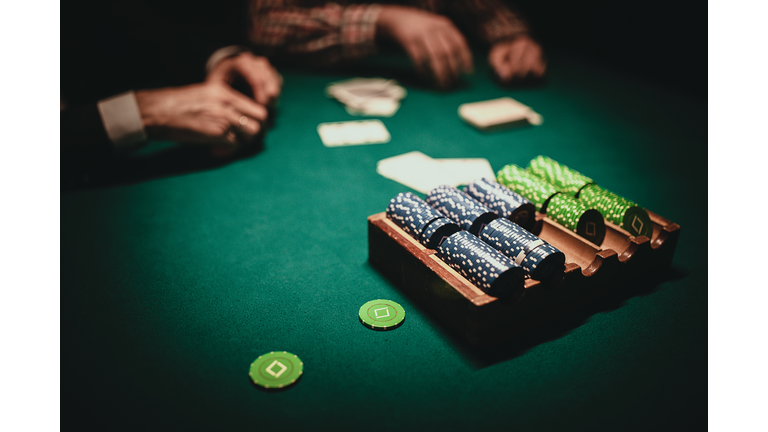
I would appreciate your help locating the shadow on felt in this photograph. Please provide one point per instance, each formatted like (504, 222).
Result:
(170, 159)
(480, 358)
(564, 325)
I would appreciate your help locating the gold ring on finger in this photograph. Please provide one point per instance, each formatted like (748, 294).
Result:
(243, 120)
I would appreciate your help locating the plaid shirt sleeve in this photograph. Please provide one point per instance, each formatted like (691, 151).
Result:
(325, 34)
(489, 20)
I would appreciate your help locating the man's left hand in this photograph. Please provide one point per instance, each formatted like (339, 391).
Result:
(257, 72)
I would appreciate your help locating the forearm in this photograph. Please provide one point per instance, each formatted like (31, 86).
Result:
(323, 34)
(490, 21)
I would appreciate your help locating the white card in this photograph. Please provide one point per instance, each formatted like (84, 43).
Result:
(368, 96)
(498, 113)
(356, 132)
(415, 170)
(379, 107)
(457, 172)
(422, 173)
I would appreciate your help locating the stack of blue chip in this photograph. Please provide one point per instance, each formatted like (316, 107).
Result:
(542, 260)
(460, 207)
(484, 266)
(419, 220)
(506, 203)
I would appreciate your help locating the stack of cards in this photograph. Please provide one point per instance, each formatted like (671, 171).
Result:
(357, 132)
(368, 96)
(422, 173)
(498, 113)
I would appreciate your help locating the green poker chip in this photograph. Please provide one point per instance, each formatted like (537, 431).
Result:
(276, 370)
(572, 214)
(637, 222)
(618, 210)
(525, 183)
(381, 314)
(564, 179)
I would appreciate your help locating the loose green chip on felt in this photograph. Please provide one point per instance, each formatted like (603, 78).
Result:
(381, 314)
(275, 370)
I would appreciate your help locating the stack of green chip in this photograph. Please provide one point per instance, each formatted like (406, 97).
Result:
(618, 210)
(560, 176)
(536, 190)
(572, 214)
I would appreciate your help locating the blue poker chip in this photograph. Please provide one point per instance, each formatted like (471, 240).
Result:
(506, 203)
(425, 218)
(437, 231)
(541, 260)
(460, 207)
(412, 214)
(544, 263)
(488, 269)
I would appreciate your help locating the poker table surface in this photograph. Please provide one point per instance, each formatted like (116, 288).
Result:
(173, 284)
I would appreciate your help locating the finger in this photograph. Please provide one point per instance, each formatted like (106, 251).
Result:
(244, 104)
(247, 129)
(539, 64)
(261, 77)
(211, 130)
(499, 60)
(464, 54)
(244, 128)
(450, 56)
(217, 74)
(220, 127)
(437, 61)
(515, 61)
(273, 82)
(532, 62)
(418, 57)
(256, 77)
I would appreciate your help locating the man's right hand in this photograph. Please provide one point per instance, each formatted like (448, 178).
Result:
(210, 113)
(436, 47)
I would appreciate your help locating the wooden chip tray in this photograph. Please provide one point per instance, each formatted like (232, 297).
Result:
(591, 272)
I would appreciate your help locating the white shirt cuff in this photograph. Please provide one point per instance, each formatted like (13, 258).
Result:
(222, 53)
(122, 120)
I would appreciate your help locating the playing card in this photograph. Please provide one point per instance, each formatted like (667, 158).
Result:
(414, 169)
(368, 96)
(423, 173)
(353, 133)
(379, 107)
(457, 172)
(498, 113)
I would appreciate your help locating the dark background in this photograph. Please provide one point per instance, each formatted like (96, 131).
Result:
(664, 43)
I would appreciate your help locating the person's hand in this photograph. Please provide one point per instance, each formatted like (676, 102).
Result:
(435, 46)
(209, 113)
(517, 58)
(257, 72)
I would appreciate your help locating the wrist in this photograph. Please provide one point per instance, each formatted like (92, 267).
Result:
(387, 17)
(147, 101)
(121, 118)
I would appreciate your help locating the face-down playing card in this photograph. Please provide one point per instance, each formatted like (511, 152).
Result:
(355, 132)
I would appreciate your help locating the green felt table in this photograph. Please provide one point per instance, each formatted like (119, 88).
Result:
(171, 286)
